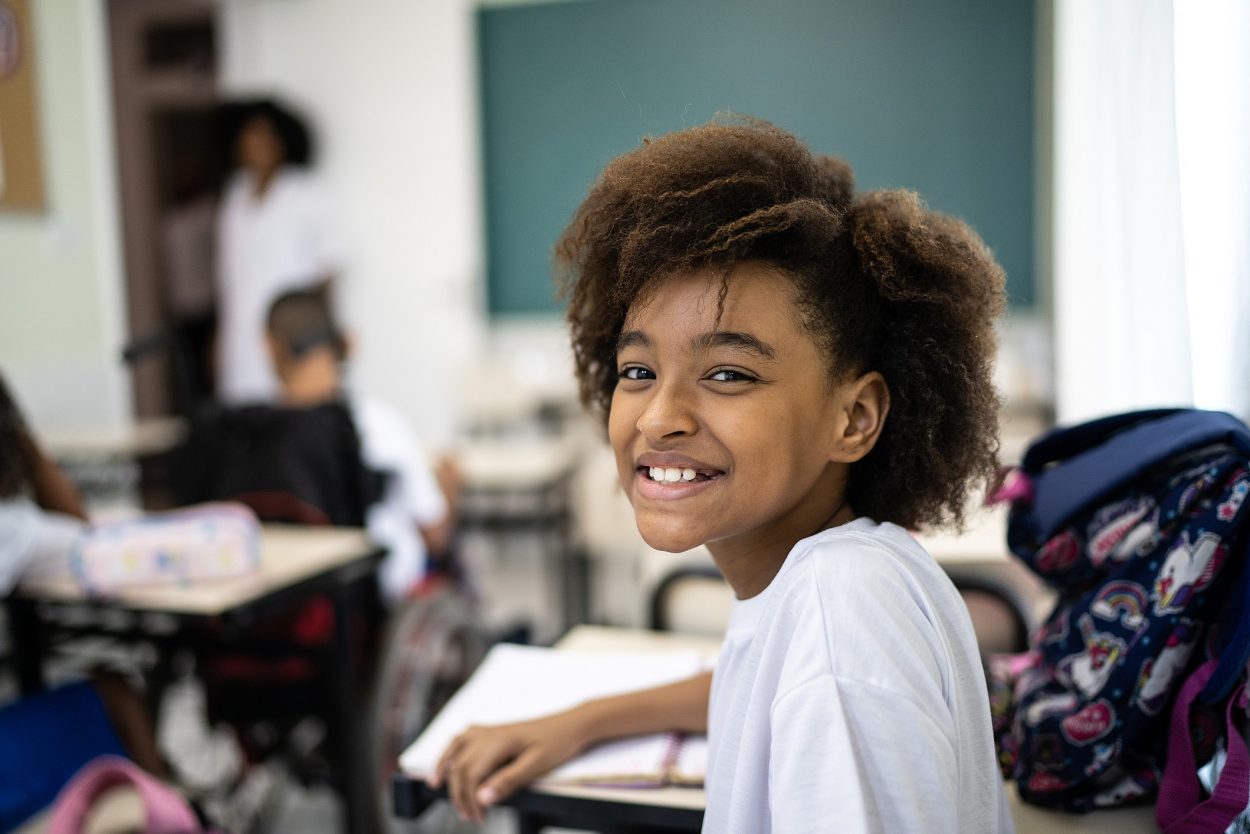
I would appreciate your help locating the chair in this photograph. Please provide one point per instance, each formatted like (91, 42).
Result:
(1000, 617)
(290, 465)
(295, 465)
(691, 599)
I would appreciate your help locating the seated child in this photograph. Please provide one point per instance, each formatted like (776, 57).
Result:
(794, 375)
(413, 517)
(45, 738)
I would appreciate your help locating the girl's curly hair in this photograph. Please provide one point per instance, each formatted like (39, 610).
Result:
(883, 284)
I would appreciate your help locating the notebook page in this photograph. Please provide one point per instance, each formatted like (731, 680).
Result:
(636, 762)
(690, 765)
(516, 683)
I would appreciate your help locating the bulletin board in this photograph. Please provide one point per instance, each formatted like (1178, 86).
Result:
(932, 96)
(21, 164)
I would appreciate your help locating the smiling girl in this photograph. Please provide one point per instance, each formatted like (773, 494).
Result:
(794, 376)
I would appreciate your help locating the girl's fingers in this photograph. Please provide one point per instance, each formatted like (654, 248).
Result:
(435, 779)
(516, 774)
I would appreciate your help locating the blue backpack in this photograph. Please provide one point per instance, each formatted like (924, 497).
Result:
(1140, 522)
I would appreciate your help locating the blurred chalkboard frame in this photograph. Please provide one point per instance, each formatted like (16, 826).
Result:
(937, 97)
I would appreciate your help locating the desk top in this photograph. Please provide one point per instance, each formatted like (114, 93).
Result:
(142, 438)
(287, 555)
(515, 464)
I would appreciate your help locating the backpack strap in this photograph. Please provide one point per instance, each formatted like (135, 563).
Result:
(1104, 455)
(1234, 638)
(1181, 809)
(165, 811)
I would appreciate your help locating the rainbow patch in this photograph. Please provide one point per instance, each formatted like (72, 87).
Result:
(1121, 600)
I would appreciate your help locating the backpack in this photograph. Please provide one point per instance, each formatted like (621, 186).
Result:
(1139, 521)
(165, 812)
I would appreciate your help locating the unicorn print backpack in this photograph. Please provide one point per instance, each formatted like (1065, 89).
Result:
(1140, 522)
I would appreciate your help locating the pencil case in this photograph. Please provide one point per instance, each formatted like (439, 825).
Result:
(196, 544)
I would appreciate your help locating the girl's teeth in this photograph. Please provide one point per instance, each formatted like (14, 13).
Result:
(671, 476)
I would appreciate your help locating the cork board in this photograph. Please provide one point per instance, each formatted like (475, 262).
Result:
(21, 165)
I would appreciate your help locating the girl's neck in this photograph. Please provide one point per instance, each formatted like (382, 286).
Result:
(749, 562)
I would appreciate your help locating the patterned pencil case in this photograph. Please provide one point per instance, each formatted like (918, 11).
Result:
(195, 544)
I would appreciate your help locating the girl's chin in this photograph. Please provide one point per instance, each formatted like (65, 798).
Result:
(669, 538)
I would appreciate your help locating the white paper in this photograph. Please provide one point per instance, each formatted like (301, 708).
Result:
(516, 683)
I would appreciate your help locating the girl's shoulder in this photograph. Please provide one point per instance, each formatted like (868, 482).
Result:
(861, 552)
(866, 591)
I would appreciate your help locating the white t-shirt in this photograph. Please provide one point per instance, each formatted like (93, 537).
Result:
(412, 495)
(848, 696)
(33, 542)
(283, 241)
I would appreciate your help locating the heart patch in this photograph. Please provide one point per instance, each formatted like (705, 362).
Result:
(1089, 724)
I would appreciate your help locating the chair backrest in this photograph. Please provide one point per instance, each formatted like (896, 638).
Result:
(691, 599)
(999, 619)
(298, 465)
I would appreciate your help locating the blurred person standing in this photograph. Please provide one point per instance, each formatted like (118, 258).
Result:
(274, 235)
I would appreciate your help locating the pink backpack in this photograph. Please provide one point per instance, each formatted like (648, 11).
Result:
(165, 811)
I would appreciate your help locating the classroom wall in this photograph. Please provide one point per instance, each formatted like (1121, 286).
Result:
(61, 314)
(390, 88)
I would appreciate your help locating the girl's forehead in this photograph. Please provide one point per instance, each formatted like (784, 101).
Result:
(750, 293)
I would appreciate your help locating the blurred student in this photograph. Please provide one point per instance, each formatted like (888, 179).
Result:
(45, 738)
(414, 516)
(794, 375)
(274, 234)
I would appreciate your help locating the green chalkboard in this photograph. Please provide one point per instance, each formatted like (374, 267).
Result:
(935, 96)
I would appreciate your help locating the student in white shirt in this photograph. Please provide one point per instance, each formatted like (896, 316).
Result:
(274, 234)
(414, 516)
(793, 375)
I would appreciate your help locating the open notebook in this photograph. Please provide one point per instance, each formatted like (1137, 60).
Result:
(515, 683)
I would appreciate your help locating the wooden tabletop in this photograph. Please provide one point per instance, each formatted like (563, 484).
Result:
(131, 440)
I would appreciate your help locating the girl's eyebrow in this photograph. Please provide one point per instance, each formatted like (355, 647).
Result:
(720, 338)
(632, 338)
(736, 341)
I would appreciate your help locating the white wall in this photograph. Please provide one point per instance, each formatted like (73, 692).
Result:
(389, 85)
(61, 311)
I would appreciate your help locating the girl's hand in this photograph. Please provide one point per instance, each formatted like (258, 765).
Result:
(483, 765)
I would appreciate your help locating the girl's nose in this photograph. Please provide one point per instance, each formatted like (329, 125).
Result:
(669, 413)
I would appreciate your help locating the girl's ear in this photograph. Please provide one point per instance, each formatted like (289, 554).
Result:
(864, 404)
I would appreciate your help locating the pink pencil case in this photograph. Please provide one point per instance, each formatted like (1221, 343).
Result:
(201, 543)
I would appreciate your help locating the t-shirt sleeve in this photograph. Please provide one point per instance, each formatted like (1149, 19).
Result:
(848, 756)
(33, 543)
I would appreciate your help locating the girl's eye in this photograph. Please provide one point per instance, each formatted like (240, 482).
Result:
(634, 372)
(730, 375)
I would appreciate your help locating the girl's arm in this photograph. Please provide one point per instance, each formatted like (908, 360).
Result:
(485, 764)
(53, 491)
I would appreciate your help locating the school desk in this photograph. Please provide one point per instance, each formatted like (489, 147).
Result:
(680, 809)
(296, 563)
(104, 462)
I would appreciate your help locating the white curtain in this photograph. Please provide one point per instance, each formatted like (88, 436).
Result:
(1150, 268)
(1213, 132)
